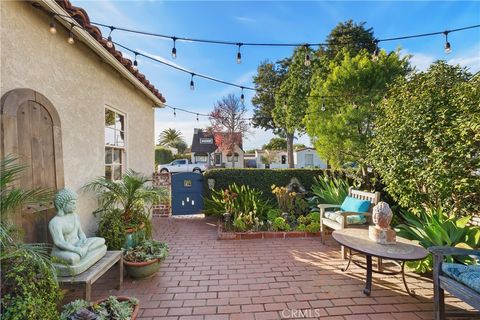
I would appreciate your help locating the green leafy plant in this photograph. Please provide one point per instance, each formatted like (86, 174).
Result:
(110, 309)
(331, 190)
(239, 225)
(28, 278)
(147, 250)
(313, 227)
(273, 213)
(112, 228)
(280, 224)
(434, 227)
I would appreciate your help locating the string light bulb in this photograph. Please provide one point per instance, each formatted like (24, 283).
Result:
(307, 61)
(239, 54)
(174, 49)
(285, 106)
(197, 117)
(70, 39)
(192, 84)
(323, 105)
(242, 97)
(375, 52)
(135, 62)
(174, 112)
(447, 47)
(109, 39)
(53, 28)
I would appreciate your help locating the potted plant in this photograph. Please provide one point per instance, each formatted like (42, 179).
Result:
(115, 308)
(144, 259)
(124, 214)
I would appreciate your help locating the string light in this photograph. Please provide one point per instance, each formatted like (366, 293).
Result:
(239, 54)
(174, 112)
(70, 39)
(192, 84)
(174, 49)
(135, 62)
(109, 39)
(53, 28)
(447, 47)
(307, 61)
(197, 117)
(323, 104)
(242, 97)
(375, 52)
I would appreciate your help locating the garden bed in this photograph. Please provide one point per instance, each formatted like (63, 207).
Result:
(231, 235)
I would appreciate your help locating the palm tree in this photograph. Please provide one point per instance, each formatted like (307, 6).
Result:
(12, 200)
(131, 194)
(170, 137)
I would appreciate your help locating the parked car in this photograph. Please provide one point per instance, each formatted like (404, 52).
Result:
(182, 165)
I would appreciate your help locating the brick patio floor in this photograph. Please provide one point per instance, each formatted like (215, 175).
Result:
(204, 278)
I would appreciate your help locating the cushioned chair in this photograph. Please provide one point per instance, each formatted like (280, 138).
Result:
(460, 280)
(354, 212)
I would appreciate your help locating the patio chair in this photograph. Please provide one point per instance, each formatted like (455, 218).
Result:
(353, 213)
(460, 280)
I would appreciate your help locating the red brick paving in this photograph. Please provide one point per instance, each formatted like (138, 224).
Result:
(204, 278)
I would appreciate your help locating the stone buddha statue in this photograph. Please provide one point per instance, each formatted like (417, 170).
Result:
(76, 252)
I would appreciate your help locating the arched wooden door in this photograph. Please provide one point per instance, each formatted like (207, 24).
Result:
(31, 130)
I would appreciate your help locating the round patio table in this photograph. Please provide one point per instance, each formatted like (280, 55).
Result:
(358, 241)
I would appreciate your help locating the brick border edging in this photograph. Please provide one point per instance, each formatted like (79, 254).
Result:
(223, 235)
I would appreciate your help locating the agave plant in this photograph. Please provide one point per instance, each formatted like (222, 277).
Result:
(131, 194)
(435, 227)
(331, 190)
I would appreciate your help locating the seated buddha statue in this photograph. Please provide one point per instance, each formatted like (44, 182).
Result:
(75, 252)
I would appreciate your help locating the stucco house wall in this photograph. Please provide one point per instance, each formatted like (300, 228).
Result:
(79, 85)
(299, 158)
(228, 164)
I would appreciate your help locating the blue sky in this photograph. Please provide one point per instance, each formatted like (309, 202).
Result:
(269, 21)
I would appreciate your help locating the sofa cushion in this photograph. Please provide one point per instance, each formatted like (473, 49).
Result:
(337, 216)
(468, 275)
(355, 205)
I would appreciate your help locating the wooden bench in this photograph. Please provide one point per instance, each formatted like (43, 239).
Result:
(443, 282)
(93, 273)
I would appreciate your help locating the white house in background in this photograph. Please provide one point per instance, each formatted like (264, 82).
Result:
(303, 158)
(308, 158)
(205, 151)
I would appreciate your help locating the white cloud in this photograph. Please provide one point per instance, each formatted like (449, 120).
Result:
(244, 19)
(469, 59)
(160, 58)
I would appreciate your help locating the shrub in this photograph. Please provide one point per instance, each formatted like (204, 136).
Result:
(280, 224)
(239, 225)
(29, 289)
(112, 228)
(263, 179)
(331, 190)
(108, 309)
(313, 227)
(146, 250)
(163, 156)
(434, 227)
(273, 213)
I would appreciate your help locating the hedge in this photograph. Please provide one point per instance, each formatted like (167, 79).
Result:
(263, 179)
(163, 155)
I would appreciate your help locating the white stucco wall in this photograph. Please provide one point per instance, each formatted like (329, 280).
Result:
(228, 164)
(299, 157)
(79, 85)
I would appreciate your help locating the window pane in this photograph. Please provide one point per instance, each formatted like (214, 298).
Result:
(109, 118)
(119, 122)
(117, 172)
(117, 156)
(120, 142)
(109, 137)
(108, 155)
(108, 172)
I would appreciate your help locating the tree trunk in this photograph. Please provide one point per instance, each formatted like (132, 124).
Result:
(289, 137)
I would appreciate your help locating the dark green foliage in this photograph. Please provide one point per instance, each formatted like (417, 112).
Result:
(280, 224)
(427, 141)
(28, 291)
(331, 190)
(350, 37)
(263, 179)
(112, 228)
(163, 156)
(434, 227)
(276, 144)
(110, 309)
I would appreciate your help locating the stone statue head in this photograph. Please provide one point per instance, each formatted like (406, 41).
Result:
(65, 201)
(382, 215)
(295, 186)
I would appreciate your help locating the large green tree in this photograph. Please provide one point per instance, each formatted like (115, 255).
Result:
(172, 138)
(276, 144)
(350, 37)
(344, 105)
(291, 99)
(427, 143)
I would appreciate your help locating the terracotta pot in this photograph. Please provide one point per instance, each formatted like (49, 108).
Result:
(121, 299)
(140, 270)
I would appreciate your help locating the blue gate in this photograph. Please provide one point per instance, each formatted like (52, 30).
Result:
(187, 196)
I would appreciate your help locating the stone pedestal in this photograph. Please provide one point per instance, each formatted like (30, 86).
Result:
(382, 236)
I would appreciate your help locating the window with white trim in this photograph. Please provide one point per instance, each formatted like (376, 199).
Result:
(114, 144)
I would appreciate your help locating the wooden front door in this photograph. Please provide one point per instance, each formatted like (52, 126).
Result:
(31, 131)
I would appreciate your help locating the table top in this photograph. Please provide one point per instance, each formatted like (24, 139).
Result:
(95, 271)
(358, 240)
